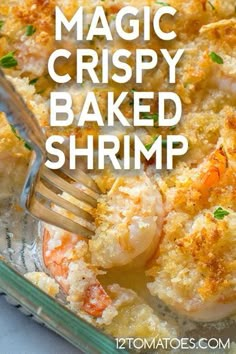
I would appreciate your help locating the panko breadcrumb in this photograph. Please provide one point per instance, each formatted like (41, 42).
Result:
(44, 282)
(193, 270)
(121, 236)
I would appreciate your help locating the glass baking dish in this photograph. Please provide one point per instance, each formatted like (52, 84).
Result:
(20, 252)
(53, 314)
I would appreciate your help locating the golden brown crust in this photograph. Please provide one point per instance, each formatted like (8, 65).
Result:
(195, 263)
(39, 13)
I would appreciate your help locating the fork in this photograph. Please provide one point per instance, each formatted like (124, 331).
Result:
(42, 192)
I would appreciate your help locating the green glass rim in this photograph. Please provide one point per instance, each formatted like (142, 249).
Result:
(57, 317)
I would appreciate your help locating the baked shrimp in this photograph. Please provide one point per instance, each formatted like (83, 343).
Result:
(129, 222)
(195, 269)
(130, 229)
(179, 226)
(68, 259)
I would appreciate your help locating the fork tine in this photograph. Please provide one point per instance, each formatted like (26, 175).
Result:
(64, 186)
(81, 177)
(78, 175)
(65, 204)
(47, 215)
(29, 129)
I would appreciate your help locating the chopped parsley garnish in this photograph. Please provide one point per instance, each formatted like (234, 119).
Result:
(26, 145)
(30, 30)
(153, 116)
(220, 213)
(131, 102)
(164, 144)
(162, 3)
(173, 128)
(8, 61)
(211, 5)
(148, 146)
(1, 24)
(14, 131)
(216, 58)
(33, 81)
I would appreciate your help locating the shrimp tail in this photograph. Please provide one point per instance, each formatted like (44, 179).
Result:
(96, 300)
(216, 169)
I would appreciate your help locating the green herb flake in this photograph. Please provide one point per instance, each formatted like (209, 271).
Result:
(148, 146)
(33, 81)
(131, 102)
(14, 131)
(30, 30)
(211, 5)
(164, 144)
(8, 61)
(220, 213)
(216, 58)
(1, 24)
(162, 3)
(173, 128)
(153, 116)
(26, 145)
